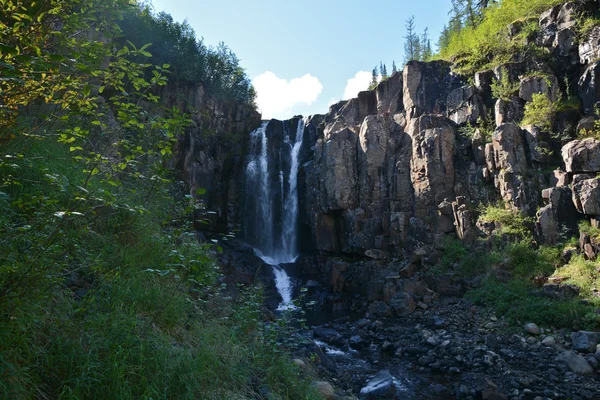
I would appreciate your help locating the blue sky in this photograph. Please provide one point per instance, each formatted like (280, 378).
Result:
(304, 55)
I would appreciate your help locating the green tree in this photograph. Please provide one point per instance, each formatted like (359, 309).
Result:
(411, 41)
(374, 79)
(426, 51)
(383, 69)
(394, 69)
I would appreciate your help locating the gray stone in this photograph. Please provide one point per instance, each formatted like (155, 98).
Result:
(549, 341)
(380, 387)
(585, 341)
(509, 151)
(582, 155)
(532, 329)
(586, 196)
(324, 389)
(576, 363)
(543, 84)
(403, 304)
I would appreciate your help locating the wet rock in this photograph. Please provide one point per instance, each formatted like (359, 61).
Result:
(585, 341)
(328, 335)
(380, 387)
(324, 389)
(358, 343)
(532, 329)
(582, 155)
(576, 363)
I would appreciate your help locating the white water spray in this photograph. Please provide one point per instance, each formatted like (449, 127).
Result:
(259, 179)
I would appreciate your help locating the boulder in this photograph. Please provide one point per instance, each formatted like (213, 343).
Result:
(542, 84)
(380, 309)
(582, 155)
(586, 124)
(589, 87)
(324, 389)
(589, 49)
(379, 388)
(403, 304)
(532, 329)
(576, 363)
(585, 341)
(586, 196)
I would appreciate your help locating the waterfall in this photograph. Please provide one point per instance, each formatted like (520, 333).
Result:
(274, 233)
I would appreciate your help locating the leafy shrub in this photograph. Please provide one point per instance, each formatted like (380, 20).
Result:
(503, 88)
(540, 112)
(529, 262)
(511, 221)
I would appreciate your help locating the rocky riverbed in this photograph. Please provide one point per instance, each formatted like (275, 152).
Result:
(453, 350)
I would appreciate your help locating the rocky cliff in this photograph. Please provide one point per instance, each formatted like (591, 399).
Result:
(392, 173)
(210, 155)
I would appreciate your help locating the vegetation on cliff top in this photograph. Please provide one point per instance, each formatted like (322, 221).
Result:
(104, 290)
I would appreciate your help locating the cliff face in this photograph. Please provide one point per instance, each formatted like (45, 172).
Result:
(210, 155)
(394, 170)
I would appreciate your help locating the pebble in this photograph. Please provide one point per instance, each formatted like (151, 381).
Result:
(532, 329)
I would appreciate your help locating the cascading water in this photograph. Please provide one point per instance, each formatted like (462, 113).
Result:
(272, 231)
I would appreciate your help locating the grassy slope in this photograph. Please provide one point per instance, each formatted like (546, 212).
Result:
(90, 321)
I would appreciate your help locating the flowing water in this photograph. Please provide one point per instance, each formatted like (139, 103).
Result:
(272, 191)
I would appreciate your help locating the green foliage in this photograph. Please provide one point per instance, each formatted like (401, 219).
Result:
(587, 26)
(586, 227)
(540, 112)
(528, 262)
(217, 69)
(465, 261)
(584, 274)
(483, 129)
(591, 133)
(104, 290)
(504, 89)
(488, 43)
(509, 221)
(519, 303)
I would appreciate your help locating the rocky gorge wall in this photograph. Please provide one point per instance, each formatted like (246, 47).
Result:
(392, 173)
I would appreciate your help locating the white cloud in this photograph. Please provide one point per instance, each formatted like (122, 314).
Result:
(360, 82)
(277, 97)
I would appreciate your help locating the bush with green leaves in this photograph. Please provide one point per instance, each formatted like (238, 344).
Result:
(541, 112)
(503, 88)
(509, 221)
